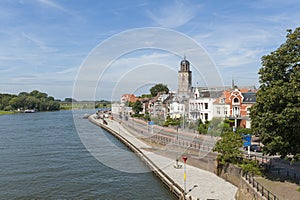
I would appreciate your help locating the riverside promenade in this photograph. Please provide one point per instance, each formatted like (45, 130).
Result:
(200, 184)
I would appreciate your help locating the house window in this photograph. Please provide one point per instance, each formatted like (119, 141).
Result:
(235, 100)
(225, 111)
(206, 116)
(206, 105)
(222, 100)
(218, 111)
(236, 111)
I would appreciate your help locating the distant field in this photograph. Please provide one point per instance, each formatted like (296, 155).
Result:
(83, 105)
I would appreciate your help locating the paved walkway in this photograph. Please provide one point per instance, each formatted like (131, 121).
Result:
(203, 184)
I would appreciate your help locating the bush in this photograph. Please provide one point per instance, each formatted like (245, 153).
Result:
(137, 115)
(251, 166)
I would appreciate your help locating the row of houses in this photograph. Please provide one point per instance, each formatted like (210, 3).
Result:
(205, 104)
(194, 103)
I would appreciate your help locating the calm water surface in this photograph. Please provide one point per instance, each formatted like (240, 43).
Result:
(42, 157)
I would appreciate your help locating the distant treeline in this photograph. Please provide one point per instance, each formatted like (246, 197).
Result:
(70, 103)
(24, 100)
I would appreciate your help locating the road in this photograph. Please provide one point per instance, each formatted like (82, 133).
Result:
(203, 144)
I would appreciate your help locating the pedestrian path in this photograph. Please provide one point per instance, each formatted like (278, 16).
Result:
(200, 184)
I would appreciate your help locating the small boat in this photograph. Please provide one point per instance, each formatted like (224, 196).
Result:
(85, 116)
(29, 111)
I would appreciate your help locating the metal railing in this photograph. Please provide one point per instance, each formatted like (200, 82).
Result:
(259, 188)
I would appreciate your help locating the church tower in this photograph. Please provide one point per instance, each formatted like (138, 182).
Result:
(184, 77)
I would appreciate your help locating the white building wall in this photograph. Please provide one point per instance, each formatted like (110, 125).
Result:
(115, 108)
(201, 108)
(177, 109)
(221, 110)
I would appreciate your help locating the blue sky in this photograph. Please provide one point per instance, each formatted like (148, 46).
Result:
(44, 43)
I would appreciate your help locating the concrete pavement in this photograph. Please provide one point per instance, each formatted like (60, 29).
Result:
(202, 184)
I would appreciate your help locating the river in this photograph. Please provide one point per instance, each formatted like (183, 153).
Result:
(42, 157)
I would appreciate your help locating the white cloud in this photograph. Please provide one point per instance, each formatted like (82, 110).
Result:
(173, 15)
(53, 5)
(39, 43)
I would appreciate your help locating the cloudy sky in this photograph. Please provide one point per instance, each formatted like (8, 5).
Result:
(51, 44)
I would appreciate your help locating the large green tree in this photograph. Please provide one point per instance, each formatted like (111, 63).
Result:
(159, 88)
(137, 107)
(276, 114)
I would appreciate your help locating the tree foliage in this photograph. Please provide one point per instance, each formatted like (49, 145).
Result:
(33, 100)
(159, 88)
(172, 122)
(137, 107)
(228, 148)
(276, 114)
(203, 127)
(214, 127)
(69, 99)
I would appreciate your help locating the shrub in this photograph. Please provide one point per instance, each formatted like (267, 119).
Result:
(251, 166)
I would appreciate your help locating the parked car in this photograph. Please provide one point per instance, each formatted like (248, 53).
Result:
(255, 147)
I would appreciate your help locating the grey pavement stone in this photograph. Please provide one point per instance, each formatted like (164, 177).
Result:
(209, 185)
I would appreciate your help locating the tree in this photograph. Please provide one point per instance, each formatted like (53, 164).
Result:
(137, 107)
(159, 88)
(229, 148)
(33, 100)
(276, 114)
(16, 102)
(70, 100)
(203, 127)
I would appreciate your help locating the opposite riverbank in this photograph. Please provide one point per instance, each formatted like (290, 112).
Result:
(2, 112)
(200, 184)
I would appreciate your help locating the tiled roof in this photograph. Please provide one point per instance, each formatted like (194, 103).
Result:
(249, 97)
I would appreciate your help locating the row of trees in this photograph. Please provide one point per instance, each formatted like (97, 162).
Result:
(33, 100)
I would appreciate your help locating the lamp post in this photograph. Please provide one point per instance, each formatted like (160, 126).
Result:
(184, 175)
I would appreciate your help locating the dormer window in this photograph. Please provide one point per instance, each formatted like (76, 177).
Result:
(222, 100)
(236, 100)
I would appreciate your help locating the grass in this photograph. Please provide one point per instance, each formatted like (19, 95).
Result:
(298, 189)
(2, 112)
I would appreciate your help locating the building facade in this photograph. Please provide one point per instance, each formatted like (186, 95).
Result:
(235, 105)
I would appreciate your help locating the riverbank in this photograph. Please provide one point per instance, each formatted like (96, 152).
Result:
(2, 112)
(200, 184)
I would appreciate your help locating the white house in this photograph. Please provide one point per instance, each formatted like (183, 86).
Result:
(201, 106)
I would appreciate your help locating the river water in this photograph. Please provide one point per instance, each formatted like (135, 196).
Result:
(42, 157)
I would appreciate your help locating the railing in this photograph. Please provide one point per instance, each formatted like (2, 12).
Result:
(259, 188)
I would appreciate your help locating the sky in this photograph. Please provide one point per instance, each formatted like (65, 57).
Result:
(127, 46)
